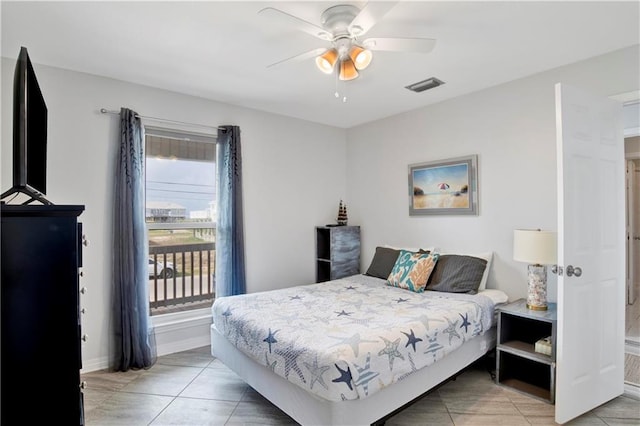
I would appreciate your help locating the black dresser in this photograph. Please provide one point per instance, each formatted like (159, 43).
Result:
(41, 357)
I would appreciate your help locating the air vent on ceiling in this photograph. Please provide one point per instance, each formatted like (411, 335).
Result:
(423, 85)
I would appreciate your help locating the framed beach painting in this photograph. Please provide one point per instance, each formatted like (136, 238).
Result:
(444, 187)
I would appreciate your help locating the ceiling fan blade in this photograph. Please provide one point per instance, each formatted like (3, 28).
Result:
(300, 57)
(370, 14)
(286, 19)
(417, 45)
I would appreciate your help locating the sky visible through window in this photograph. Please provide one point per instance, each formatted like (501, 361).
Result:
(186, 182)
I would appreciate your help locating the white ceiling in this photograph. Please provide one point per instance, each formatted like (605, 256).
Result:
(220, 50)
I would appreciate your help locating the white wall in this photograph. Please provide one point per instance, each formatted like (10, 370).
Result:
(511, 128)
(294, 177)
(296, 171)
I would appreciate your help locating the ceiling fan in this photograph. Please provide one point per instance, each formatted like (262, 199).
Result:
(343, 27)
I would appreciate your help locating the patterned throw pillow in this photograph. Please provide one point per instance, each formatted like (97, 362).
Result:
(412, 270)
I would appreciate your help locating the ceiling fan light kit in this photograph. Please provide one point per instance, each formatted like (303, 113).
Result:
(349, 64)
(342, 25)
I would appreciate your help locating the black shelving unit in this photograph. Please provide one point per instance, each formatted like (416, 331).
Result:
(518, 365)
(337, 252)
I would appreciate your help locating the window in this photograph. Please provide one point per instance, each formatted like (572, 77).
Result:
(180, 217)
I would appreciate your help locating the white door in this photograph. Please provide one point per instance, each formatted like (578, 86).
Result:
(630, 222)
(591, 234)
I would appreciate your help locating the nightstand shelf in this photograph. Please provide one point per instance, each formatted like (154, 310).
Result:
(518, 365)
(525, 350)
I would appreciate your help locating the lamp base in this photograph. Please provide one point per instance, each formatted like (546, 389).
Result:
(537, 291)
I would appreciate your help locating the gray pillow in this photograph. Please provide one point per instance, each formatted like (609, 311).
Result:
(382, 263)
(384, 260)
(457, 274)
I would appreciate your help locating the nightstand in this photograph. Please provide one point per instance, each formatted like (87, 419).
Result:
(518, 365)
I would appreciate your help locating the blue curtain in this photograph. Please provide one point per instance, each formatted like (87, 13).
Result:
(135, 341)
(230, 269)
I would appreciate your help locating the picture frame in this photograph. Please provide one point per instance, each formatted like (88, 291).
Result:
(444, 187)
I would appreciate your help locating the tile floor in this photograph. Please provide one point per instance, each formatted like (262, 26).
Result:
(632, 320)
(192, 388)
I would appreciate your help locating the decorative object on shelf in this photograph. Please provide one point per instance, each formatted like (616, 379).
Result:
(543, 346)
(342, 214)
(444, 187)
(538, 248)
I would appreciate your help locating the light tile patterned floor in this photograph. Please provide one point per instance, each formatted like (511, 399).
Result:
(632, 369)
(192, 388)
(632, 320)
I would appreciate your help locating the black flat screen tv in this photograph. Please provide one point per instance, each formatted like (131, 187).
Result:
(29, 133)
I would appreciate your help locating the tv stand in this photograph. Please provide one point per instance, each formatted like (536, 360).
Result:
(31, 193)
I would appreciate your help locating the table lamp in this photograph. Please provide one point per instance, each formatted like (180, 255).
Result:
(538, 248)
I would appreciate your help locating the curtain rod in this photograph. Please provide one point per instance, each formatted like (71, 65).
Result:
(164, 120)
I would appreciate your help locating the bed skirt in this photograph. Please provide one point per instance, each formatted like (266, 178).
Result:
(310, 410)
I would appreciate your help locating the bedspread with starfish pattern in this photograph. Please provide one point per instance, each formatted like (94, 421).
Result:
(348, 338)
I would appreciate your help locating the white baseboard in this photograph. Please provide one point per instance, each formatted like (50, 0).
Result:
(174, 332)
(181, 331)
(632, 391)
(184, 345)
(632, 347)
(95, 364)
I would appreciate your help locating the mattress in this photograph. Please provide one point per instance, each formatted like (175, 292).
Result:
(347, 339)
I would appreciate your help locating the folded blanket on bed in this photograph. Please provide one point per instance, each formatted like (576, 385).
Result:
(348, 338)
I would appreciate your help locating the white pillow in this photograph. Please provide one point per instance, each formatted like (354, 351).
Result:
(498, 296)
(488, 256)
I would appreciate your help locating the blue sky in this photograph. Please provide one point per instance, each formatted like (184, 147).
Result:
(428, 179)
(186, 182)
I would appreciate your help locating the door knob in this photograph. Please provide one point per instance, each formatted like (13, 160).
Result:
(570, 270)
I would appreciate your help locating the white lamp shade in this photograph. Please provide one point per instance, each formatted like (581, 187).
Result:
(535, 246)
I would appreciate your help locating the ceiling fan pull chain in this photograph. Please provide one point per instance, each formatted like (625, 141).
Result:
(344, 92)
(336, 94)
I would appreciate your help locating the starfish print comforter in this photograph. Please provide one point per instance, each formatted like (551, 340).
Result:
(348, 338)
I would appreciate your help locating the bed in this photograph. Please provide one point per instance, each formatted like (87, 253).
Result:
(354, 350)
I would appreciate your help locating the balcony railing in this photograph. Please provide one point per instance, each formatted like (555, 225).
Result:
(181, 276)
